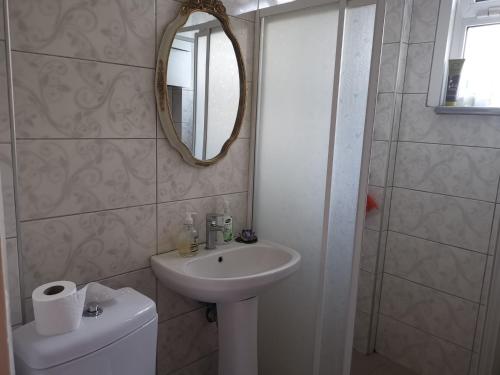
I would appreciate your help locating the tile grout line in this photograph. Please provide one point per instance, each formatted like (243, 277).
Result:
(427, 333)
(127, 207)
(478, 303)
(450, 144)
(437, 242)
(443, 194)
(82, 59)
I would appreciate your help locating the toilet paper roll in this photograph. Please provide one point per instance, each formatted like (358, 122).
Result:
(58, 307)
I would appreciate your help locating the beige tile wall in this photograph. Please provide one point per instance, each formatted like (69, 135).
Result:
(99, 188)
(442, 174)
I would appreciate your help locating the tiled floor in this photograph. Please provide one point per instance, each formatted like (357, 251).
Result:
(375, 364)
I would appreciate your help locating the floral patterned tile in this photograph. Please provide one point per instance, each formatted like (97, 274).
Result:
(420, 352)
(61, 177)
(436, 313)
(449, 220)
(66, 98)
(114, 31)
(184, 340)
(446, 268)
(87, 247)
(178, 180)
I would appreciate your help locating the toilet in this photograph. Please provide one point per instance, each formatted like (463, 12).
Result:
(119, 341)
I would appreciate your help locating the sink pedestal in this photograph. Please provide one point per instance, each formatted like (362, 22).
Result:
(237, 323)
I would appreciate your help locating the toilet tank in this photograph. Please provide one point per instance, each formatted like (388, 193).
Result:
(121, 341)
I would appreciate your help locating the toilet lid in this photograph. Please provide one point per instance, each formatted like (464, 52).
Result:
(127, 312)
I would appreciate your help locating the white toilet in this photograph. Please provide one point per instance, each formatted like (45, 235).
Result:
(120, 341)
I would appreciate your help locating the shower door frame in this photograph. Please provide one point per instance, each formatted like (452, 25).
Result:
(349, 311)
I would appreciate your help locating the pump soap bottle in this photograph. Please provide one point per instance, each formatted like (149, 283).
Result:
(187, 241)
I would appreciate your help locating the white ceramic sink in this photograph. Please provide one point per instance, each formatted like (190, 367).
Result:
(229, 273)
(231, 276)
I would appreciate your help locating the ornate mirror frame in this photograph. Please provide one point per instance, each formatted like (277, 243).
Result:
(218, 10)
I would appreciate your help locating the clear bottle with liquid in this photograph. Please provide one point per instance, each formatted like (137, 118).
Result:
(187, 240)
(227, 232)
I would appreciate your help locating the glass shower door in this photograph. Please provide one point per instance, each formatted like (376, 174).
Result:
(314, 125)
(296, 92)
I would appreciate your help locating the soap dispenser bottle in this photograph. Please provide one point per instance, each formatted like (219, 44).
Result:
(187, 241)
(227, 232)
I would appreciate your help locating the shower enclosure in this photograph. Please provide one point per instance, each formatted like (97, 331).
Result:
(315, 89)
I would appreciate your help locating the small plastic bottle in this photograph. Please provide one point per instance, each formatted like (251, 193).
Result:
(227, 232)
(187, 241)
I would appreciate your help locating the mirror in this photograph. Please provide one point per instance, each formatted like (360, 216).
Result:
(200, 87)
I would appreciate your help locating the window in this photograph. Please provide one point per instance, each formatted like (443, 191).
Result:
(469, 29)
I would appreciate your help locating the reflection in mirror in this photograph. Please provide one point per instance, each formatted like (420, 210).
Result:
(203, 85)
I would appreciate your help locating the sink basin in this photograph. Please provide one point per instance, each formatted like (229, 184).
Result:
(229, 273)
(231, 276)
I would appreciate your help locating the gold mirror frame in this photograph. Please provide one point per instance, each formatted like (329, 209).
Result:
(218, 10)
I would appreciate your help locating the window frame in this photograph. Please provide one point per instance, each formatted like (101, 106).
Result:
(454, 18)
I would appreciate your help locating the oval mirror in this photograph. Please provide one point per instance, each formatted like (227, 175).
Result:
(200, 83)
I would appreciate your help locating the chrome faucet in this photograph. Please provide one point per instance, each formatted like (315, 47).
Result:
(212, 229)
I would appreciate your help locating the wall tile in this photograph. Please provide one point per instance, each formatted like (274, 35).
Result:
(480, 329)
(143, 281)
(487, 280)
(4, 98)
(245, 33)
(73, 176)
(424, 21)
(13, 282)
(369, 250)
(419, 351)
(166, 12)
(494, 231)
(361, 331)
(366, 284)
(378, 163)
(183, 340)
(388, 67)
(7, 177)
(87, 247)
(469, 172)
(418, 67)
(205, 366)
(121, 32)
(439, 314)
(171, 304)
(246, 125)
(449, 220)
(450, 269)
(171, 216)
(421, 124)
(177, 180)
(2, 22)
(67, 98)
(384, 116)
(393, 20)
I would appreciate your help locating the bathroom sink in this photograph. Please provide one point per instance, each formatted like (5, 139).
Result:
(232, 276)
(229, 273)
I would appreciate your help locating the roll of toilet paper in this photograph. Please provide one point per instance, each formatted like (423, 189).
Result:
(58, 307)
